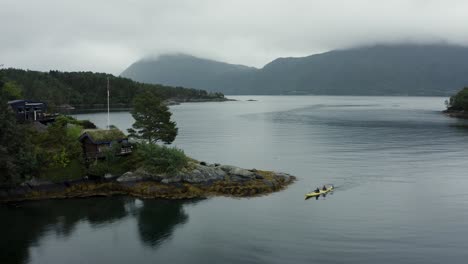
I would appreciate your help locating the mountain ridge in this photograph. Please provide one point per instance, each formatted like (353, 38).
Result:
(404, 69)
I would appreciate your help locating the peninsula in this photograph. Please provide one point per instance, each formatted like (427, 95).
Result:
(87, 90)
(51, 156)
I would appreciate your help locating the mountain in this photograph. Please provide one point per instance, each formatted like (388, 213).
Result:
(426, 70)
(187, 71)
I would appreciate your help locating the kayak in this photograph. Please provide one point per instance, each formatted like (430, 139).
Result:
(314, 194)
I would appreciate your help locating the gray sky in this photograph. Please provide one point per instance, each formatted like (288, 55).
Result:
(107, 36)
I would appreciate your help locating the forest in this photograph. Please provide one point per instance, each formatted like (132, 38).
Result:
(88, 89)
(54, 153)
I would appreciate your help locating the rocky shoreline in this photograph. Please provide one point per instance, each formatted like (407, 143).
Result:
(200, 180)
(456, 114)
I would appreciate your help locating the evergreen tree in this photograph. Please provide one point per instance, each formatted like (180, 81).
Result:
(152, 120)
(17, 158)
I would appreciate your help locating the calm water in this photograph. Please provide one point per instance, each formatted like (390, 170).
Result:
(400, 168)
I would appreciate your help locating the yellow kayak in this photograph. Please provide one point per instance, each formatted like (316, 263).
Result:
(314, 194)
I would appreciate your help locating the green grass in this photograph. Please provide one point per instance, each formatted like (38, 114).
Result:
(105, 135)
(74, 170)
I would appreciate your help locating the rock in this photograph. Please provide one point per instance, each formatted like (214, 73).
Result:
(227, 168)
(259, 177)
(130, 176)
(243, 173)
(173, 179)
(108, 176)
(284, 176)
(34, 182)
(203, 174)
(232, 170)
(144, 174)
(236, 178)
(206, 174)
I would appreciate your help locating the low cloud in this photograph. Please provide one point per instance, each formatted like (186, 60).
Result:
(107, 36)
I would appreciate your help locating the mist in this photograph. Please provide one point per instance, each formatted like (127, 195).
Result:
(110, 35)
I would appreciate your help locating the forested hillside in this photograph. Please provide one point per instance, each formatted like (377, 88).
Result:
(88, 89)
(417, 70)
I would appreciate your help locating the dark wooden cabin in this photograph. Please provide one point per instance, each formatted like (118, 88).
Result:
(96, 141)
(29, 111)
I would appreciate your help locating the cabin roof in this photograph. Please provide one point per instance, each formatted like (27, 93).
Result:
(100, 136)
(25, 102)
(16, 101)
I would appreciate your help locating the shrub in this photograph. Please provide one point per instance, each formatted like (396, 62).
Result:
(98, 168)
(161, 159)
(74, 131)
(74, 169)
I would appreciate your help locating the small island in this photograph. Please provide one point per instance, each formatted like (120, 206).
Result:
(53, 156)
(457, 105)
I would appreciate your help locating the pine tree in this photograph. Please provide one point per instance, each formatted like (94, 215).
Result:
(152, 120)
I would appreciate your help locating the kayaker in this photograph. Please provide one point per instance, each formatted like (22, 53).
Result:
(317, 190)
(324, 188)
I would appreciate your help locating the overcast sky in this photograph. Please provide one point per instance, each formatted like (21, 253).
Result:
(107, 36)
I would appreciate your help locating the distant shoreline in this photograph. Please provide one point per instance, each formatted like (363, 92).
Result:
(102, 108)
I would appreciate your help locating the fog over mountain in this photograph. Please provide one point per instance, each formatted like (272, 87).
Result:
(374, 70)
(185, 70)
(109, 35)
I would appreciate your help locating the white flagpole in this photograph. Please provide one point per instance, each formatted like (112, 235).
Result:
(108, 109)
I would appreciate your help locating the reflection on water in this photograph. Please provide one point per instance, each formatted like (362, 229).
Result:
(25, 224)
(157, 219)
(399, 165)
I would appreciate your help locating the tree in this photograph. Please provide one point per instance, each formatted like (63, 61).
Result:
(17, 157)
(12, 91)
(87, 88)
(459, 102)
(59, 145)
(152, 120)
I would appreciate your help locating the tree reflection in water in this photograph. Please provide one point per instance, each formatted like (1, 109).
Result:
(158, 218)
(22, 226)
